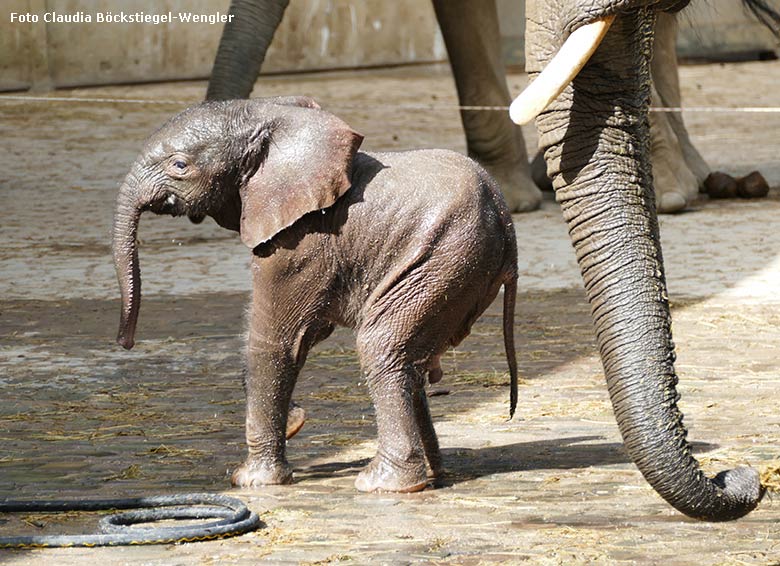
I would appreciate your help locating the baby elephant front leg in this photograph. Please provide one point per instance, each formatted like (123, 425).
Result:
(271, 376)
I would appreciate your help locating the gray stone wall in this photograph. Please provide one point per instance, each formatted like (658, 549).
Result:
(710, 30)
(721, 30)
(315, 35)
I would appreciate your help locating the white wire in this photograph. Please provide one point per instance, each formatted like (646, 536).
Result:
(353, 106)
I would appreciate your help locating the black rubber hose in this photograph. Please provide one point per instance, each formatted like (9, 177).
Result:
(234, 519)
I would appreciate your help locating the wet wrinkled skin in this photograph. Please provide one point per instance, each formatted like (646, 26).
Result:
(406, 248)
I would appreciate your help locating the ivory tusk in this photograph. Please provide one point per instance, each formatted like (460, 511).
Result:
(559, 72)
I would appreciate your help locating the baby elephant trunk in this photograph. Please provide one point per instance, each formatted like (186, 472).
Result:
(125, 247)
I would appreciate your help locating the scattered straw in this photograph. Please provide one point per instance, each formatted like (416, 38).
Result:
(165, 451)
(479, 378)
(129, 473)
(770, 477)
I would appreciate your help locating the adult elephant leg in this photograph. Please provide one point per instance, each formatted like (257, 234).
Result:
(678, 168)
(242, 47)
(675, 184)
(596, 139)
(664, 70)
(470, 30)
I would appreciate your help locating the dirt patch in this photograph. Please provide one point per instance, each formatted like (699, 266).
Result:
(84, 419)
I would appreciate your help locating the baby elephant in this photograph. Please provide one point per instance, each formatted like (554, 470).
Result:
(406, 248)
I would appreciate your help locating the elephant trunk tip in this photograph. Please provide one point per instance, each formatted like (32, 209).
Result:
(125, 340)
(730, 495)
(126, 335)
(743, 487)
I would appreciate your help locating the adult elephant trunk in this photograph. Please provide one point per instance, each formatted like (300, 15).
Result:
(245, 40)
(125, 246)
(595, 137)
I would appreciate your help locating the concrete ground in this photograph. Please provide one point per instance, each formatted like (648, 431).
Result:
(82, 418)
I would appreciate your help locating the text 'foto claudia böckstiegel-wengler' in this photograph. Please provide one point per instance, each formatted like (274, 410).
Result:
(121, 17)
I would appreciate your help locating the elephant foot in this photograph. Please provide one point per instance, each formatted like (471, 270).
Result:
(679, 171)
(434, 475)
(676, 186)
(519, 190)
(669, 203)
(381, 475)
(433, 456)
(254, 473)
(296, 416)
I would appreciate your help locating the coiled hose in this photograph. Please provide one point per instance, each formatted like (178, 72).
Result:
(117, 529)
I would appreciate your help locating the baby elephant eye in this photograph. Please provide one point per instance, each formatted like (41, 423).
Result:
(179, 166)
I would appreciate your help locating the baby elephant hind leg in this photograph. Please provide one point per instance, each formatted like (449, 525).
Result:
(399, 464)
(396, 349)
(428, 435)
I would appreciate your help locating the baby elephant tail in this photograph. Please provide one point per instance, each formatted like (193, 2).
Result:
(510, 294)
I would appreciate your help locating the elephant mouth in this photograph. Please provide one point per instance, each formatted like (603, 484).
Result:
(172, 205)
(168, 204)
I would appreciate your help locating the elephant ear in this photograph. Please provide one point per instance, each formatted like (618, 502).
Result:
(297, 160)
(228, 215)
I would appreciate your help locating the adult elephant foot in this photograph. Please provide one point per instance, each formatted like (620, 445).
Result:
(676, 185)
(254, 473)
(680, 173)
(679, 170)
(383, 475)
(520, 191)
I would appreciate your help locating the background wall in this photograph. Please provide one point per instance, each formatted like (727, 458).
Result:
(722, 30)
(315, 35)
(711, 30)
